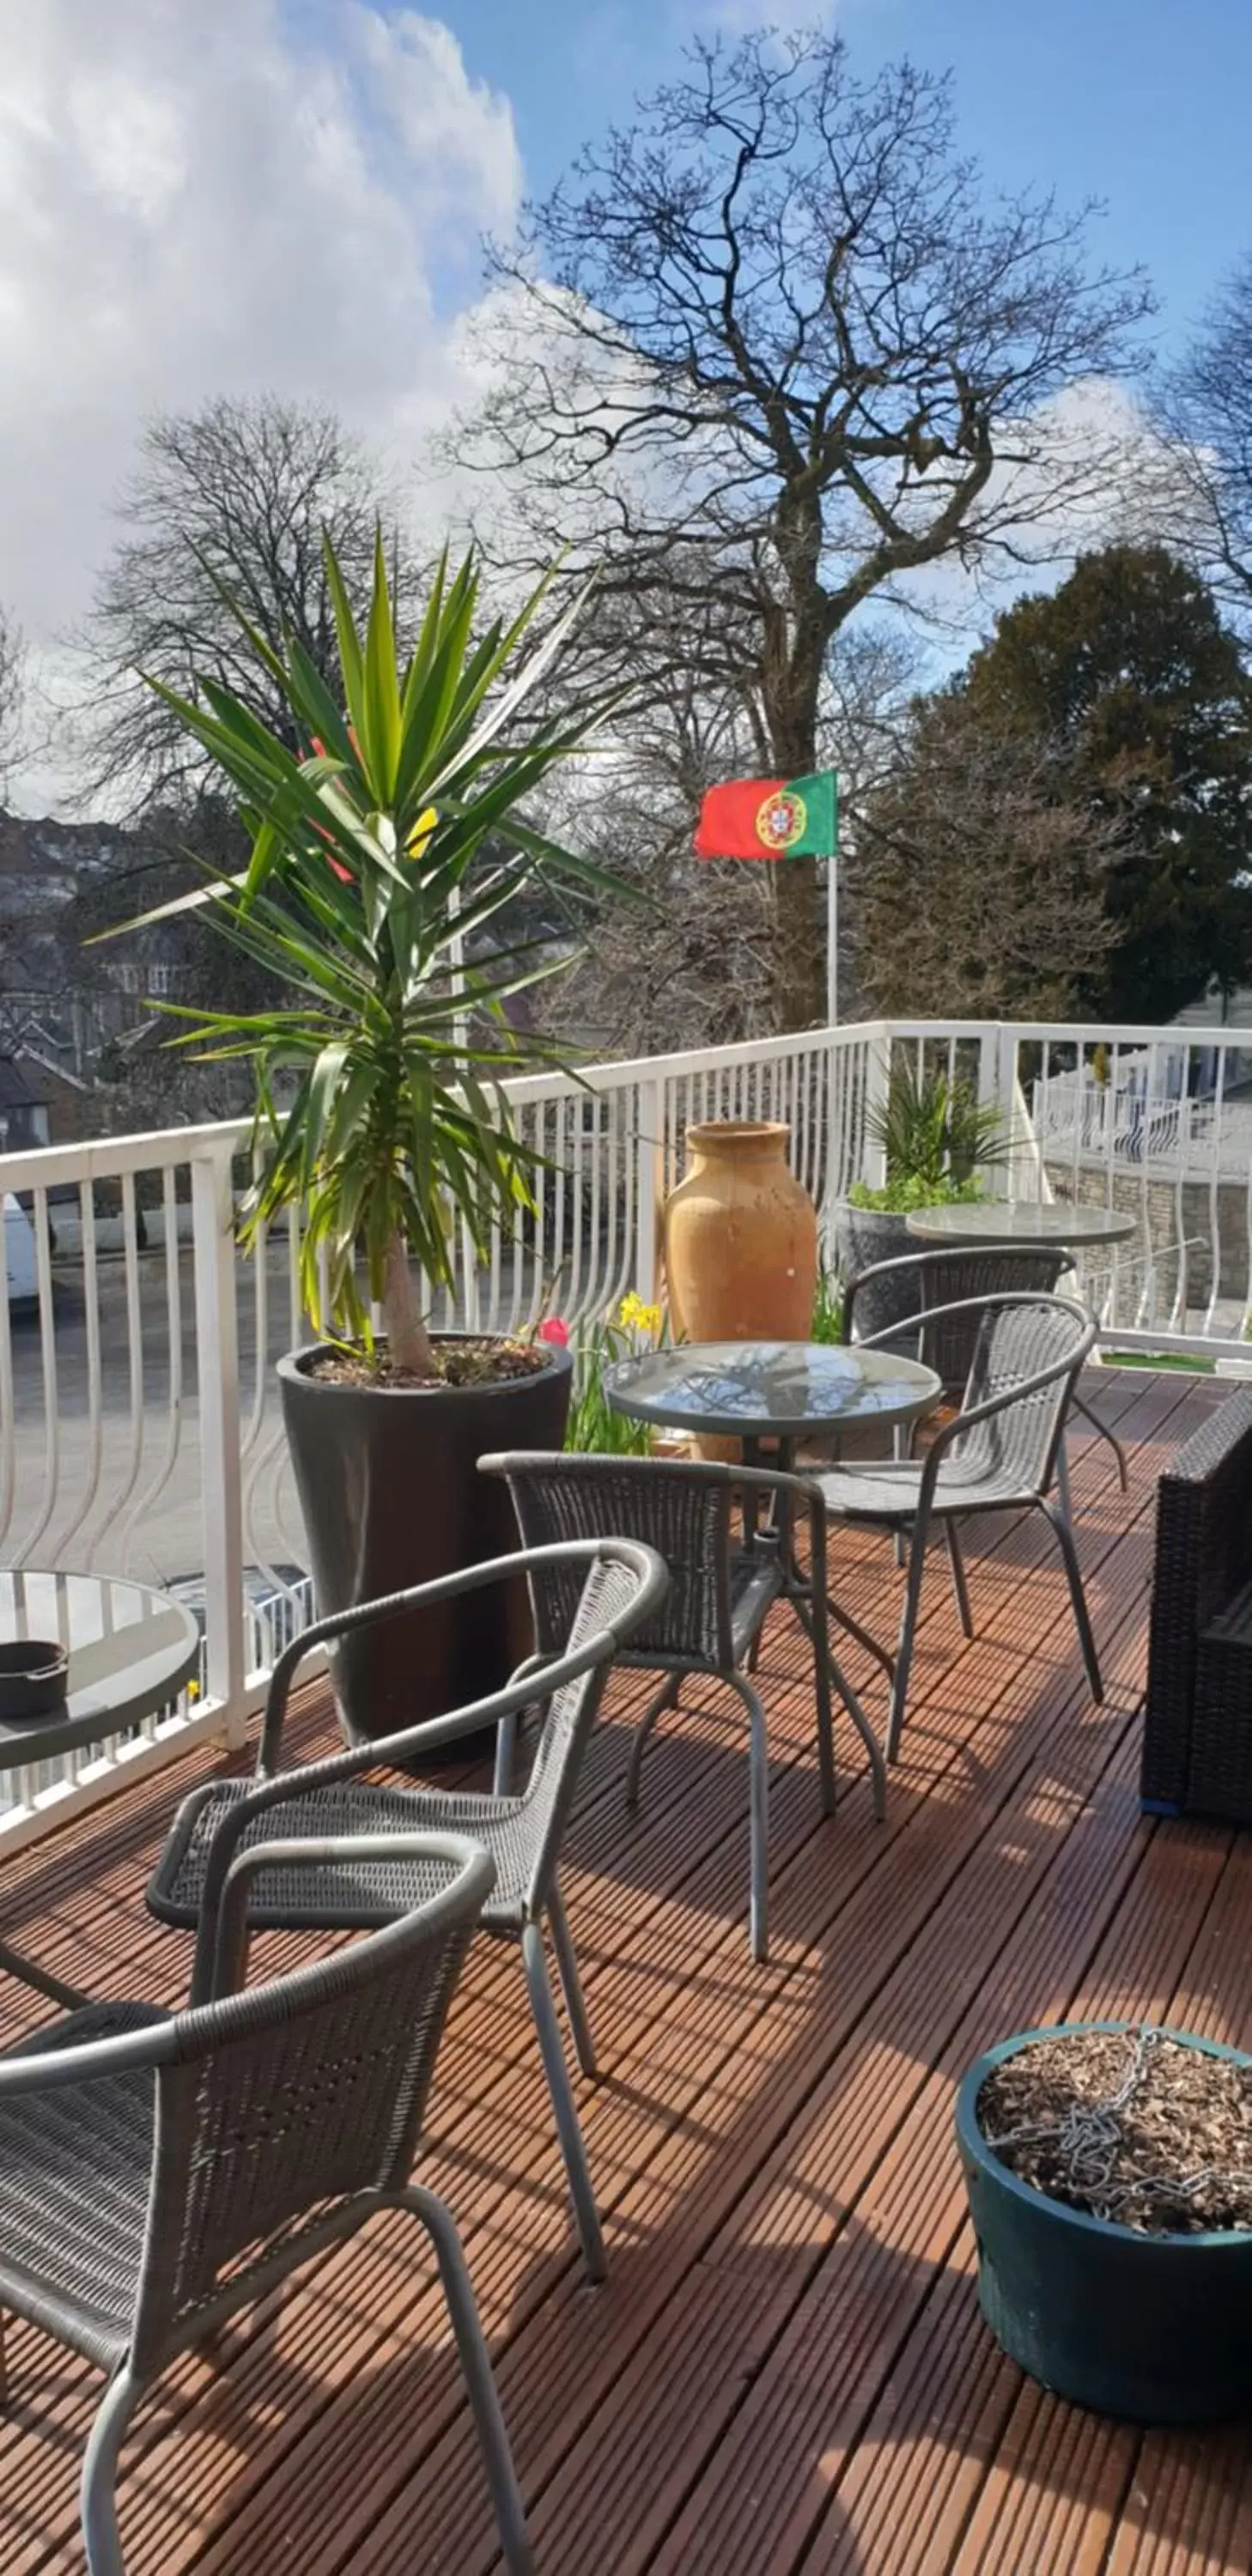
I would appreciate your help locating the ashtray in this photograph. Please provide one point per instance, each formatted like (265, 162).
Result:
(33, 1673)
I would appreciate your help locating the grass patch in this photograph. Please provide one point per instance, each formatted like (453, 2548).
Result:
(1159, 1360)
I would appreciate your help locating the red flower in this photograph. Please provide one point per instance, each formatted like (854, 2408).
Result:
(344, 874)
(553, 1330)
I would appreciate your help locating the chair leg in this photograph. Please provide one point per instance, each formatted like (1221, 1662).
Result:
(960, 1588)
(667, 1697)
(479, 2378)
(864, 1637)
(836, 1673)
(825, 1720)
(758, 1816)
(506, 1742)
(571, 2137)
(571, 1982)
(1090, 1415)
(1082, 1617)
(1062, 1481)
(908, 1625)
(98, 2485)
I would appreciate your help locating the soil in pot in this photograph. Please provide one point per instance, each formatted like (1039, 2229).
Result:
(1108, 2171)
(1129, 2126)
(387, 1473)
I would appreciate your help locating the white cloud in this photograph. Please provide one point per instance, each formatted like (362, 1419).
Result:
(193, 202)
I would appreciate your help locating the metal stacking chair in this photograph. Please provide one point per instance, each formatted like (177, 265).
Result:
(950, 1275)
(718, 1599)
(144, 2153)
(999, 1453)
(614, 1586)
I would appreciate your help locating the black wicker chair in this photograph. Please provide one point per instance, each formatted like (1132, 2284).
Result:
(160, 2171)
(614, 1586)
(1197, 1736)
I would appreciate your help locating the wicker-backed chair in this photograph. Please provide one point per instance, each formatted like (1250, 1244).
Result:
(999, 1453)
(160, 2171)
(614, 1587)
(947, 1276)
(719, 1595)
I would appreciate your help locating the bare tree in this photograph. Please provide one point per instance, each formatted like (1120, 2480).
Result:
(12, 678)
(978, 879)
(765, 354)
(238, 493)
(1202, 491)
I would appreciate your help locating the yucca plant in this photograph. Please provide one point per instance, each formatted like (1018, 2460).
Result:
(380, 1111)
(937, 1137)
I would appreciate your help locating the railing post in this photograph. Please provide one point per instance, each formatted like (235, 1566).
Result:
(649, 1186)
(997, 1085)
(217, 1378)
(877, 1094)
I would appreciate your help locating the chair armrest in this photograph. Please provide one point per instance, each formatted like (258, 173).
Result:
(131, 2052)
(342, 1623)
(467, 1893)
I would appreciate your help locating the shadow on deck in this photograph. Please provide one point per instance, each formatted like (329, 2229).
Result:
(786, 2372)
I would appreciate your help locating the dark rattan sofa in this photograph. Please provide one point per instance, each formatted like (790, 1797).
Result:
(1197, 1744)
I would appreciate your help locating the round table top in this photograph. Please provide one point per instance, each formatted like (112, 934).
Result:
(130, 1651)
(1020, 1221)
(769, 1389)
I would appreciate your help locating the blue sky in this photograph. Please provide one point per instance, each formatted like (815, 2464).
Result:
(287, 197)
(1145, 103)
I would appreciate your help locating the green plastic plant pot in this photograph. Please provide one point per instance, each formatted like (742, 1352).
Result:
(1151, 2329)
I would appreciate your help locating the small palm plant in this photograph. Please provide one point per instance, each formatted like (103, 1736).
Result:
(937, 1137)
(380, 1111)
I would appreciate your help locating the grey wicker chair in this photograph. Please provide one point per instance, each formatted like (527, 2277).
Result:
(719, 1595)
(613, 1587)
(160, 2171)
(999, 1453)
(950, 1274)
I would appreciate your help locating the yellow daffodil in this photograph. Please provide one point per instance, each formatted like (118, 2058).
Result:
(637, 1317)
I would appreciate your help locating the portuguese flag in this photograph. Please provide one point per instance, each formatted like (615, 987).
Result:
(770, 818)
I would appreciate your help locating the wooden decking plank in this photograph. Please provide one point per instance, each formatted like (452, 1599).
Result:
(867, 2214)
(1160, 1934)
(658, 2082)
(511, 2404)
(1176, 1988)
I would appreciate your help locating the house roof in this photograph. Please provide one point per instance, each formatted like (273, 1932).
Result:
(15, 1091)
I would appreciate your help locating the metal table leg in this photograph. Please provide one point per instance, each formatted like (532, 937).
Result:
(799, 1594)
(71, 1998)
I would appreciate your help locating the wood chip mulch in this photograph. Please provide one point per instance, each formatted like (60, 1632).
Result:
(457, 1363)
(1130, 2126)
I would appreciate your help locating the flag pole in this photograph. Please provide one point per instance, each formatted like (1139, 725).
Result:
(832, 941)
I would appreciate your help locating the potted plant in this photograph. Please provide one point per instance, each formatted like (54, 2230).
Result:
(938, 1140)
(594, 1426)
(1109, 2171)
(380, 1114)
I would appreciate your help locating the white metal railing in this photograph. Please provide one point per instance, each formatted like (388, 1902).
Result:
(139, 1427)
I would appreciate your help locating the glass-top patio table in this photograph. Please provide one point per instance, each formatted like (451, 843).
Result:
(779, 1393)
(1020, 1221)
(130, 1650)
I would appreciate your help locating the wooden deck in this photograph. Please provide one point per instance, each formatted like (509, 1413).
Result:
(786, 2371)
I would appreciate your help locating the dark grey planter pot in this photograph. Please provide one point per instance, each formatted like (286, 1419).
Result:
(862, 1237)
(391, 1496)
(1151, 2329)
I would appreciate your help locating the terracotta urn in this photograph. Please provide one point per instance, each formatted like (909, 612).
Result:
(740, 1238)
